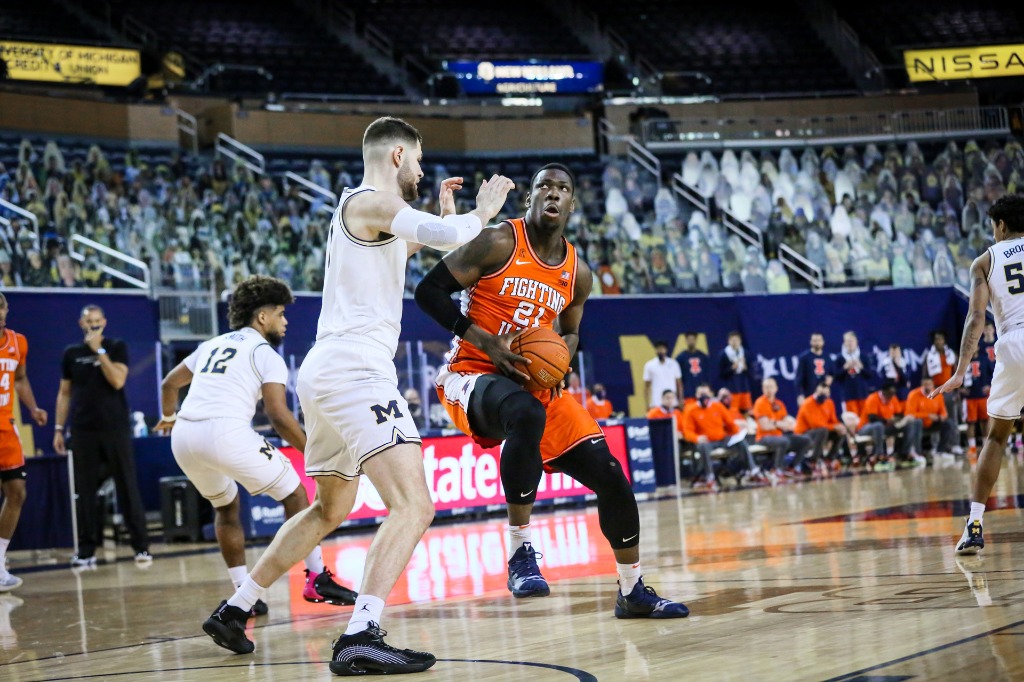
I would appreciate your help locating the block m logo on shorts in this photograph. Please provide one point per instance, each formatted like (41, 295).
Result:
(383, 413)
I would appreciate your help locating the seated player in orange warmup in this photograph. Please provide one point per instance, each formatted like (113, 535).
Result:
(816, 419)
(669, 408)
(598, 404)
(935, 420)
(524, 273)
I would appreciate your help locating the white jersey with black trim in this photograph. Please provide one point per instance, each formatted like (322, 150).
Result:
(228, 373)
(364, 283)
(1006, 284)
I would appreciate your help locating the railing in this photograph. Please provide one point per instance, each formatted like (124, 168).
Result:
(28, 215)
(688, 193)
(742, 229)
(188, 127)
(645, 159)
(679, 134)
(801, 266)
(79, 242)
(187, 315)
(244, 154)
(220, 67)
(320, 197)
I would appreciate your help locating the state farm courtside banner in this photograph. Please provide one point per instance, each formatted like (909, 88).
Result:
(85, 64)
(463, 478)
(976, 61)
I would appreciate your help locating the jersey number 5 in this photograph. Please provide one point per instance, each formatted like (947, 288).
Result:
(218, 366)
(1014, 277)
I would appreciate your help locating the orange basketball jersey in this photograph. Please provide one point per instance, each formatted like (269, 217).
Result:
(525, 292)
(12, 354)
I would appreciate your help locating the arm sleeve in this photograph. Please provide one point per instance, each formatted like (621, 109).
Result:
(434, 297)
(430, 230)
(269, 366)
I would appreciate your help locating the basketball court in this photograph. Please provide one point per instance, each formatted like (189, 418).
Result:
(851, 578)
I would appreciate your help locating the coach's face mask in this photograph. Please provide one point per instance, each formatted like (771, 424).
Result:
(704, 400)
(821, 398)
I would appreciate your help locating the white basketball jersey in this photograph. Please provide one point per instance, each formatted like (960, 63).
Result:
(364, 283)
(1006, 284)
(228, 373)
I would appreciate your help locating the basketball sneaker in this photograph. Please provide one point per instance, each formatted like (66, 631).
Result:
(366, 653)
(260, 608)
(321, 588)
(972, 541)
(524, 578)
(644, 602)
(9, 582)
(83, 561)
(143, 558)
(227, 627)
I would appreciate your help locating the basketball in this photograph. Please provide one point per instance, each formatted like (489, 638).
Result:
(548, 355)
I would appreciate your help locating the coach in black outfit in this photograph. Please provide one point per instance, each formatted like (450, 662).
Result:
(92, 387)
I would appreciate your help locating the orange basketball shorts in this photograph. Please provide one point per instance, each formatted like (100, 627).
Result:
(11, 454)
(568, 423)
(741, 402)
(977, 410)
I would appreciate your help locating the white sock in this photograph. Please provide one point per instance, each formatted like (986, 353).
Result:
(247, 594)
(238, 574)
(629, 575)
(977, 509)
(367, 609)
(3, 553)
(971, 443)
(517, 535)
(315, 560)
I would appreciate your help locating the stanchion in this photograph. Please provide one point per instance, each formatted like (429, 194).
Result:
(74, 500)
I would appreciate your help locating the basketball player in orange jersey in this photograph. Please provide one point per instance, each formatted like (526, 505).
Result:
(523, 273)
(13, 377)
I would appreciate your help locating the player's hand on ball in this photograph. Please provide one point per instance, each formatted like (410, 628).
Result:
(497, 349)
(446, 197)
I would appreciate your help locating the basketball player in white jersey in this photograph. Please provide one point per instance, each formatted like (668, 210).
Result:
(356, 418)
(213, 440)
(997, 277)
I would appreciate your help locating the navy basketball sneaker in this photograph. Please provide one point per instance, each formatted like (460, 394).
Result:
(524, 578)
(972, 541)
(644, 602)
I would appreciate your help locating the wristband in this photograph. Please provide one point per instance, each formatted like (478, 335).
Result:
(58, 427)
(172, 418)
(101, 351)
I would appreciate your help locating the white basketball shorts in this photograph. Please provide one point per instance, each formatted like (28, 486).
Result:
(215, 453)
(348, 390)
(1006, 398)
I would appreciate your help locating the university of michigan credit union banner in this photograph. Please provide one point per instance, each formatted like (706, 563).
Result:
(84, 64)
(977, 61)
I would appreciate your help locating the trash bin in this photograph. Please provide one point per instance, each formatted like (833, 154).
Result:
(180, 509)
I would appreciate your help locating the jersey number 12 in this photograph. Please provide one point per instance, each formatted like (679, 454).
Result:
(218, 366)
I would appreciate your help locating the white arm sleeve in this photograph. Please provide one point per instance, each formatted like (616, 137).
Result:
(444, 234)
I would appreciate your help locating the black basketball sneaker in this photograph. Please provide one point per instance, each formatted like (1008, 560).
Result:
(260, 608)
(227, 627)
(366, 653)
(322, 588)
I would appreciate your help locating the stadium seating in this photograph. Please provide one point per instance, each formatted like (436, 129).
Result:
(300, 54)
(767, 48)
(43, 20)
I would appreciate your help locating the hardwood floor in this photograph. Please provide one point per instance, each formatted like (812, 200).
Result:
(850, 578)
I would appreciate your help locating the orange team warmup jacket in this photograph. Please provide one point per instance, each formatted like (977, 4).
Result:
(713, 421)
(659, 412)
(773, 409)
(811, 415)
(599, 410)
(875, 405)
(919, 405)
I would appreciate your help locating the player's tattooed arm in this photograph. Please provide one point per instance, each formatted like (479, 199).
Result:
(974, 325)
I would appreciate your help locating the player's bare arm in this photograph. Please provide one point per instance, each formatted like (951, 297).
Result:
(369, 214)
(177, 379)
(24, 390)
(61, 415)
(460, 270)
(974, 325)
(275, 404)
(568, 322)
